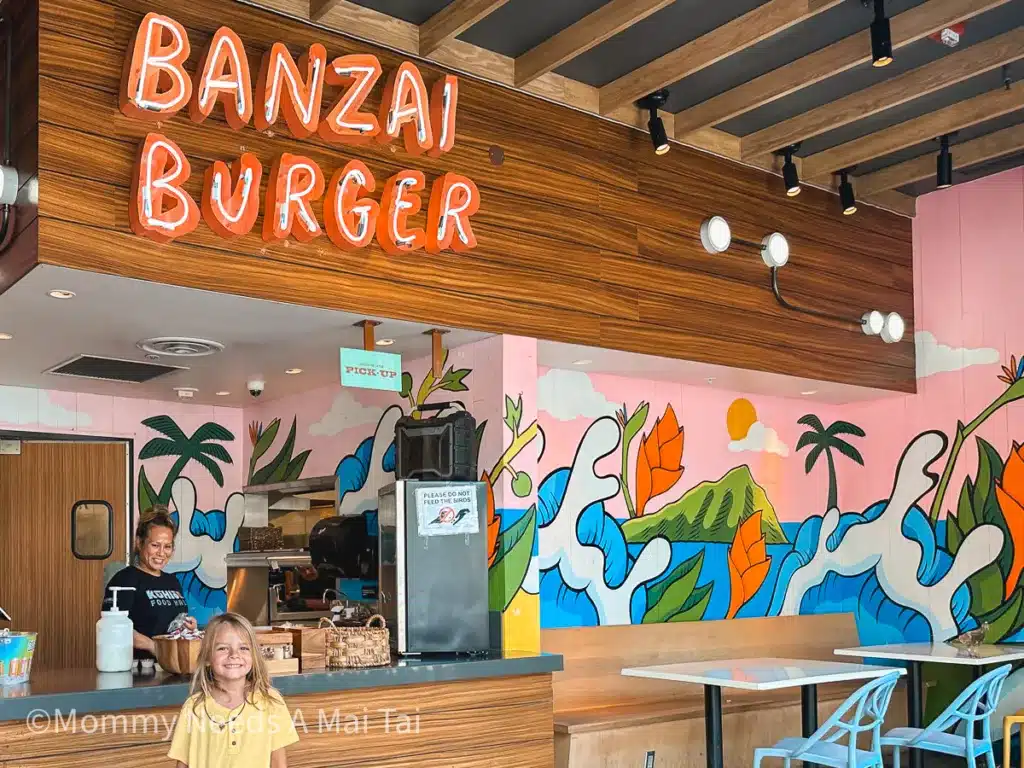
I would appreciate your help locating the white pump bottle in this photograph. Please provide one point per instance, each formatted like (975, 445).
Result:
(114, 638)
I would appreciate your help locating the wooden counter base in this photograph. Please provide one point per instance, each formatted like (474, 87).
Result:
(470, 724)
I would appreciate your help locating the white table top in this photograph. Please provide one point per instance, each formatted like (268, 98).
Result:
(941, 653)
(760, 674)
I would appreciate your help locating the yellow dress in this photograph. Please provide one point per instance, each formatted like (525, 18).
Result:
(212, 736)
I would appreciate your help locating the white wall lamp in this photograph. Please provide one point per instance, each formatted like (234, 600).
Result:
(716, 237)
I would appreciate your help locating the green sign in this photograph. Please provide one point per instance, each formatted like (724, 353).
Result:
(371, 370)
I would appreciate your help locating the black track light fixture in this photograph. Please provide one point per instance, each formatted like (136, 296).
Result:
(881, 37)
(847, 200)
(790, 175)
(944, 165)
(659, 136)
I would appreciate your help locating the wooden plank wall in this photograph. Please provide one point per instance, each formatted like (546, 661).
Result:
(585, 236)
(471, 724)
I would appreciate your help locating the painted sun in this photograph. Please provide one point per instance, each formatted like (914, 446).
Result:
(740, 417)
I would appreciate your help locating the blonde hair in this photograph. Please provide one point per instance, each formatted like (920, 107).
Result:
(157, 516)
(257, 682)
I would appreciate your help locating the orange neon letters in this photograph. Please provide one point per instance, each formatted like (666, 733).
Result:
(405, 107)
(232, 211)
(444, 101)
(345, 123)
(295, 182)
(453, 199)
(155, 84)
(350, 220)
(280, 74)
(223, 75)
(397, 205)
(160, 208)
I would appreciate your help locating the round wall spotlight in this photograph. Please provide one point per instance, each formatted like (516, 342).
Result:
(872, 322)
(775, 250)
(893, 329)
(715, 235)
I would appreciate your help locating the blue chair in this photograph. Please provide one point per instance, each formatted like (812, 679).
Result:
(864, 711)
(974, 705)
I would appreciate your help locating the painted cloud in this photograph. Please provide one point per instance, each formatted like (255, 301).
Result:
(760, 439)
(346, 412)
(24, 406)
(568, 395)
(934, 357)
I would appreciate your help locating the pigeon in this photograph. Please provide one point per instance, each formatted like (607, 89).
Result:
(971, 638)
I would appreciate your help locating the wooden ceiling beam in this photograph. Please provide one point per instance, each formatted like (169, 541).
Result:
(908, 27)
(320, 8)
(949, 70)
(590, 31)
(963, 114)
(737, 35)
(452, 20)
(980, 150)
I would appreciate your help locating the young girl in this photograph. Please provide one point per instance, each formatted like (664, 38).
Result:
(233, 719)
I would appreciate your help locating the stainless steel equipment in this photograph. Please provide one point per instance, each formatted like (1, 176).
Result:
(433, 566)
(273, 587)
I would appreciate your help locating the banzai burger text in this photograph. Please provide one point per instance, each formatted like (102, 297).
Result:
(156, 86)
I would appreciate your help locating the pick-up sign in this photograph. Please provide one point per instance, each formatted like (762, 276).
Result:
(371, 370)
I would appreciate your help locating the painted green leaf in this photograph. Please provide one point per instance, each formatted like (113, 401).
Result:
(985, 481)
(510, 414)
(668, 597)
(296, 465)
(159, 447)
(1005, 619)
(266, 440)
(986, 587)
(211, 466)
(522, 485)
(274, 471)
(515, 549)
(694, 608)
(635, 424)
(211, 430)
(452, 381)
(217, 451)
(166, 426)
(965, 508)
(406, 384)
(147, 495)
(954, 536)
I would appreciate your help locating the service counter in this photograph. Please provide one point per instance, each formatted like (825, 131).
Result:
(470, 712)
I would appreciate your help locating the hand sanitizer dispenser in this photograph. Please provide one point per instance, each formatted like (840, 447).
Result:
(114, 638)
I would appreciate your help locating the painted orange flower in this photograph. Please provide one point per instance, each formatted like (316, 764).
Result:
(1010, 493)
(255, 430)
(748, 563)
(659, 461)
(493, 522)
(1012, 372)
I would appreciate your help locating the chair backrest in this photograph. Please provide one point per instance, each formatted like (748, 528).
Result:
(863, 711)
(594, 656)
(975, 703)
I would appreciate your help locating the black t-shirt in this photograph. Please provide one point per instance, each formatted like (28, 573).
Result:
(155, 603)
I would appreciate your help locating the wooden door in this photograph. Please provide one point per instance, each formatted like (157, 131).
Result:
(44, 587)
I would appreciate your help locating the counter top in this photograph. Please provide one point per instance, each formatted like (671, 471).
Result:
(85, 690)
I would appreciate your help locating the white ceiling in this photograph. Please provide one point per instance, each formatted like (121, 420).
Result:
(110, 315)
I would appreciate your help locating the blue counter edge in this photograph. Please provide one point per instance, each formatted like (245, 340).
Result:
(174, 693)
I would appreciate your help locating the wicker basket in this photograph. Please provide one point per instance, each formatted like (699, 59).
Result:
(364, 646)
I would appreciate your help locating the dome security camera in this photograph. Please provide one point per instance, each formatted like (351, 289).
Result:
(255, 387)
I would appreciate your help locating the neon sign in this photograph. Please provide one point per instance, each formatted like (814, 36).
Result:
(156, 86)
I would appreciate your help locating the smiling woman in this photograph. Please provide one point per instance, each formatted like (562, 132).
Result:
(157, 600)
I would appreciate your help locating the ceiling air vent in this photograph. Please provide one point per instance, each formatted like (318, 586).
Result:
(112, 369)
(173, 346)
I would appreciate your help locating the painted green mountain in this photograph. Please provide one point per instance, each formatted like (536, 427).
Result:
(710, 512)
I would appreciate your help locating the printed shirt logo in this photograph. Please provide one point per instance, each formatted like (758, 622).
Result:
(165, 597)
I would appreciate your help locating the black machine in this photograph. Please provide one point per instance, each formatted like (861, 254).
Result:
(440, 448)
(345, 547)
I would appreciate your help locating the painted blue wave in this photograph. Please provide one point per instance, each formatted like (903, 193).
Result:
(203, 602)
(353, 470)
(879, 618)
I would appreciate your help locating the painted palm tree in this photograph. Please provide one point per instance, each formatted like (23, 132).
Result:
(200, 448)
(824, 441)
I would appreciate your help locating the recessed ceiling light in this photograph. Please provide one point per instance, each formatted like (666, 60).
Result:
(385, 342)
(223, 393)
(582, 362)
(5, 337)
(809, 392)
(60, 294)
(293, 371)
